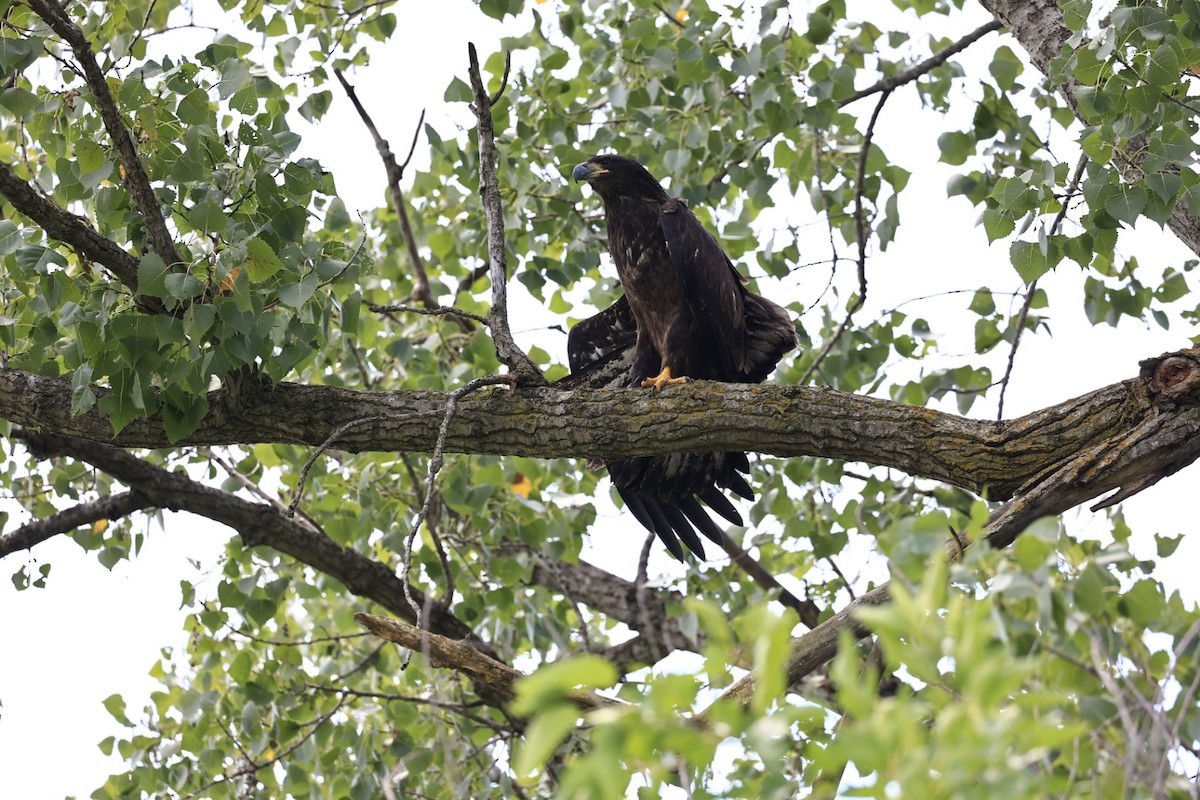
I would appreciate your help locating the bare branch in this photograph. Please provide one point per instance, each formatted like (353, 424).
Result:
(861, 232)
(808, 611)
(111, 507)
(928, 65)
(395, 173)
(489, 189)
(499, 678)
(429, 311)
(436, 460)
(136, 182)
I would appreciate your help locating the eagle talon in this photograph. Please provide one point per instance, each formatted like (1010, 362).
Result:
(663, 379)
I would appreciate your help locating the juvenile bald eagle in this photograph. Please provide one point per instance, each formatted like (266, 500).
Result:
(687, 315)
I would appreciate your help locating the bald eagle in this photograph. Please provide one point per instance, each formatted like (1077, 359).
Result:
(687, 315)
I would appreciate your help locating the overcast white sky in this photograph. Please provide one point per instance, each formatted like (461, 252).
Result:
(93, 633)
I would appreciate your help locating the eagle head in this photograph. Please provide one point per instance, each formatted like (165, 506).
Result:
(613, 175)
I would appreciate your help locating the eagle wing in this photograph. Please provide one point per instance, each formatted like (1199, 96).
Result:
(600, 336)
(711, 285)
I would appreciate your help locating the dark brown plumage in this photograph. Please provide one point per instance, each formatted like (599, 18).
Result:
(687, 315)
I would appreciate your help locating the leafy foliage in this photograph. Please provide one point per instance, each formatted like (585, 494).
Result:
(1060, 668)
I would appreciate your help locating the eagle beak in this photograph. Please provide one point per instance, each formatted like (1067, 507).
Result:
(586, 171)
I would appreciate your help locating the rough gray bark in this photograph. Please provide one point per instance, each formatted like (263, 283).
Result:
(989, 458)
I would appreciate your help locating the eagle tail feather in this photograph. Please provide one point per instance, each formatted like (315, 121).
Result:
(653, 519)
(700, 518)
(737, 484)
(720, 503)
(638, 509)
(683, 528)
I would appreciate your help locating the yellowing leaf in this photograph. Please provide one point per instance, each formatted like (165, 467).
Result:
(100, 526)
(226, 284)
(521, 485)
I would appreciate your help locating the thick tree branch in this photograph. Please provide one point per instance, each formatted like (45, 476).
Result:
(1038, 26)
(258, 524)
(136, 182)
(60, 224)
(1150, 447)
(991, 459)
(617, 598)
(499, 678)
(489, 190)
(33, 533)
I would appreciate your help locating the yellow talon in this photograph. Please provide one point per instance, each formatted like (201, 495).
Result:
(663, 378)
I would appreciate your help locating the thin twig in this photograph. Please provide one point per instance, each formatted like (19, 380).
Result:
(296, 642)
(457, 708)
(860, 232)
(436, 460)
(325, 445)
(837, 571)
(928, 65)
(429, 311)
(674, 20)
(1032, 290)
(641, 587)
(395, 173)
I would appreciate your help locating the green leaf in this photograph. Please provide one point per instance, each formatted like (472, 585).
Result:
(297, 293)
(1030, 262)
(261, 261)
(543, 736)
(1143, 603)
(1127, 203)
(34, 259)
(114, 704)
(997, 224)
(208, 217)
(151, 274)
(982, 302)
(82, 396)
(183, 414)
(956, 147)
(10, 237)
(553, 682)
(183, 286)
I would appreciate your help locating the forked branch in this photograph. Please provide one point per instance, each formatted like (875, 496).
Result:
(489, 190)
